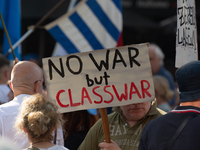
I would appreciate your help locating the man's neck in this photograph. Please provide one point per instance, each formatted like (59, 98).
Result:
(129, 122)
(195, 103)
(19, 92)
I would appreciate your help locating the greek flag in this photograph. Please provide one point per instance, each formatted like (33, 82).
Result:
(91, 25)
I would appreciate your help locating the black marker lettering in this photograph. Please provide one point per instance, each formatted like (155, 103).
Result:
(102, 63)
(132, 58)
(117, 53)
(80, 64)
(51, 64)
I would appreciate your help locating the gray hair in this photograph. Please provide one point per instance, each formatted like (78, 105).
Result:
(159, 53)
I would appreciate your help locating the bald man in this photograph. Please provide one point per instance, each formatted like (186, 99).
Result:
(26, 80)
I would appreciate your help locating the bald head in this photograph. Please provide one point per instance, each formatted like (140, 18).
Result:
(24, 76)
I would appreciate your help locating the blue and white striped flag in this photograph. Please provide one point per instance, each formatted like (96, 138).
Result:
(91, 25)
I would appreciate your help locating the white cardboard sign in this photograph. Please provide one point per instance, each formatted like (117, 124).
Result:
(186, 36)
(101, 78)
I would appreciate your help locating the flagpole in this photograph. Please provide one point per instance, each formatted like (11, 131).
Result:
(34, 27)
(5, 30)
(20, 41)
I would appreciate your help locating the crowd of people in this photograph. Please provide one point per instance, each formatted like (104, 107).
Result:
(32, 121)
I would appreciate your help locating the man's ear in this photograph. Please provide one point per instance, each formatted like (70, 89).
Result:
(10, 85)
(36, 87)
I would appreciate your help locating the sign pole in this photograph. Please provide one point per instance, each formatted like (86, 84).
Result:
(4, 27)
(105, 123)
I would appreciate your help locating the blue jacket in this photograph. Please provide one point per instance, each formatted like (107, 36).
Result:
(159, 131)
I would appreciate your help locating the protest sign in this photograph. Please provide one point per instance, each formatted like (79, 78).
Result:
(100, 78)
(186, 36)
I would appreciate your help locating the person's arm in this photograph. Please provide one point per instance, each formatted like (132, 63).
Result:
(94, 136)
(109, 146)
(90, 142)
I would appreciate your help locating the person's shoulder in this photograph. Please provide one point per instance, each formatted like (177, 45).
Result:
(165, 107)
(57, 147)
(113, 117)
(166, 73)
(3, 86)
(7, 105)
(160, 112)
(9, 108)
(160, 119)
(113, 114)
(63, 148)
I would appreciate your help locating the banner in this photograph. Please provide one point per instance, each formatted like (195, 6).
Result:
(101, 78)
(186, 36)
(10, 10)
(91, 25)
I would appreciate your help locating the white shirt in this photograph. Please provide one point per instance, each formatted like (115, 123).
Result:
(56, 147)
(8, 113)
(4, 91)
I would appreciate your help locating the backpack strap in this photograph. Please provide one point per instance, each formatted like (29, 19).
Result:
(178, 131)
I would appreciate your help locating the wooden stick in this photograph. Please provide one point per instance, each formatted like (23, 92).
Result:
(49, 13)
(105, 123)
(5, 30)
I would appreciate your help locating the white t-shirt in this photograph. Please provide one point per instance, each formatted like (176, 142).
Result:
(4, 91)
(56, 147)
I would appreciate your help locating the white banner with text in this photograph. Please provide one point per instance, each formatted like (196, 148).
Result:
(101, 78)
(186, 36)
